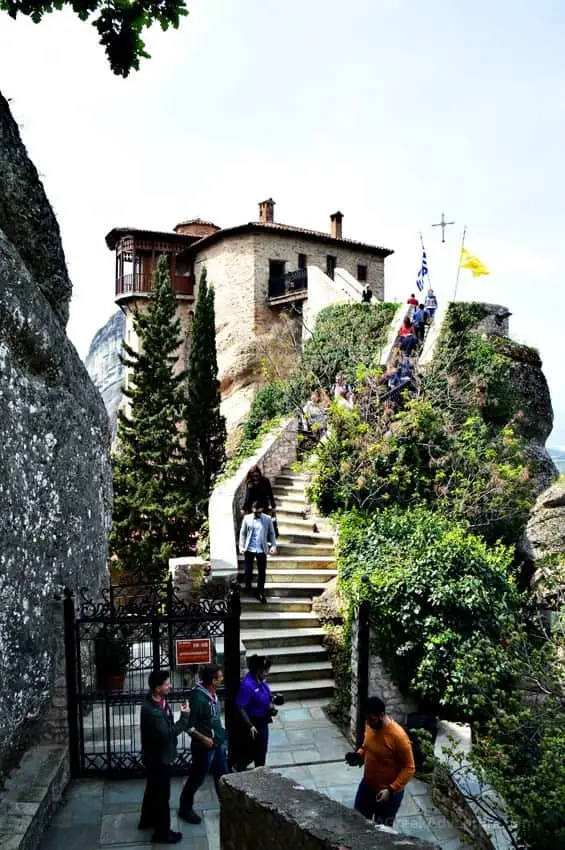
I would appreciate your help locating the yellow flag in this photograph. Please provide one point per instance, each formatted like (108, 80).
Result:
(469, 261)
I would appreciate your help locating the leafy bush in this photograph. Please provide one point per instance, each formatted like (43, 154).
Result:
(346, 336)
(441, 603)
(473, 472)
(269, 403)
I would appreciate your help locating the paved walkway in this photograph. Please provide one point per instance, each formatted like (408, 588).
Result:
(304, 746)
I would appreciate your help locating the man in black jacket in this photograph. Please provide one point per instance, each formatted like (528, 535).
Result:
(159, 735)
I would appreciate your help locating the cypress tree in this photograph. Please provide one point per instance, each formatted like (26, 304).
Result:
(205, 426)
(152, 475)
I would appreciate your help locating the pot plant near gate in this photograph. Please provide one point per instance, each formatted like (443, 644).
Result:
(112, 655)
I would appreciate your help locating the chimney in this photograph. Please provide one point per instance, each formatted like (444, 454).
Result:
(267, 211)
(336, 225)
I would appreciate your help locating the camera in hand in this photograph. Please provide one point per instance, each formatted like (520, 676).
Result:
(353, 759)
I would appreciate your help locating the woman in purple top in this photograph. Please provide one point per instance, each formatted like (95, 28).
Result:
(256, 706)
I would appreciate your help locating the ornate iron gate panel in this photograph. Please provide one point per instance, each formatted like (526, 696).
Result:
(112, 646)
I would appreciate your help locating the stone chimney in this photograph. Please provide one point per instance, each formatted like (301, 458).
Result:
(336, 225)
(267, 211)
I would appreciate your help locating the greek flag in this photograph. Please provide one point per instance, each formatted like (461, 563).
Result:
(423, 272)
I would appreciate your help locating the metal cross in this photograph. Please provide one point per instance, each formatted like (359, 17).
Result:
(443, 224)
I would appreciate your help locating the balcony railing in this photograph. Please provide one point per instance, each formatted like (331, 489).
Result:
(142, 284)
(291, 283)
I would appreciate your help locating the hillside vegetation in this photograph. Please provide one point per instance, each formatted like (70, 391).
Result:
(430, 506)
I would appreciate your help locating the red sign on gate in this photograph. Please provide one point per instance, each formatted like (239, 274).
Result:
(193, 651)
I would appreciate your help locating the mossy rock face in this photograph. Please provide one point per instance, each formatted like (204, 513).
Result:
(544, 539)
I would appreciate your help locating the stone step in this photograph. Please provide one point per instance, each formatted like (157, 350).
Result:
(261, 640)
(295, 655)
(266, 619)
(297, 562)
(317, 575)
(306, 589)
(290, 523)
(289, 534)
(288, 472)
(301, 690)
(309, 670)
(294, 511)
(277, 603)
(304, 549)
(290, 481)
(289, 494)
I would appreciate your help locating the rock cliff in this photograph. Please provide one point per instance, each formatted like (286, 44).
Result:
(55, 490)
(104, 366)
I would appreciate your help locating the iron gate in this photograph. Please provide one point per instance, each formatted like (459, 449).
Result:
(111, 647)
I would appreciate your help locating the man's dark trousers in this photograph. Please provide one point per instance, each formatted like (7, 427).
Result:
(155, 810)
(261, 569)
(203, 762)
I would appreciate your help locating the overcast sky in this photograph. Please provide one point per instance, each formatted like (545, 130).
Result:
(390, 110)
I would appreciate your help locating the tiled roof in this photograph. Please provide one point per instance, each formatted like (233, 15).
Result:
(194, 244)
(291, 230)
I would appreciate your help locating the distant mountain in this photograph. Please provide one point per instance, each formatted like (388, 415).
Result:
(104, 367)
(558, 457)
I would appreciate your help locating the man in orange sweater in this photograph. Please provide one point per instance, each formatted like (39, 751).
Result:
(389, 765)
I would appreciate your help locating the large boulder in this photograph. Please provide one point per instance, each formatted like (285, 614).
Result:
(544, 539)
(55, 484)
(104, 366)
(330, 605)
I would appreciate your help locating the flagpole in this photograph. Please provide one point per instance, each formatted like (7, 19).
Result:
(459, 262)
(423, 252)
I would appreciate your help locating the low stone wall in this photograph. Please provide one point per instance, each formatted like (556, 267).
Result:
(31, 797)
(476, 809)
(260, 809)
(278, 449)
(381, 685)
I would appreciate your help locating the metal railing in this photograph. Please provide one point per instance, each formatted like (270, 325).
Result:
(142, 284)
(288, 284)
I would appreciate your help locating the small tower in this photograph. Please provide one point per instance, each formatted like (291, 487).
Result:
(137, 252)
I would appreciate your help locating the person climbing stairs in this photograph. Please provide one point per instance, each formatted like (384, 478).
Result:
(286, 628)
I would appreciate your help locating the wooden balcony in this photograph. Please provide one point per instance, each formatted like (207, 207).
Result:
(129, 285)
(292, 286)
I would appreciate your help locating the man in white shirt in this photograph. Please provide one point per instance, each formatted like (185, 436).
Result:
(256, 538)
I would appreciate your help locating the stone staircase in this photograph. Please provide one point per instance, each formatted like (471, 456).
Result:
(286, 629)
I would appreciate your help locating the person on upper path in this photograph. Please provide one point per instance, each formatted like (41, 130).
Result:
(208, 739)
(419, 320)
(159, 735)
(388, 760)
(256, 539)
(413, 301)
(430, 302)
(258, 489)
(408, 342)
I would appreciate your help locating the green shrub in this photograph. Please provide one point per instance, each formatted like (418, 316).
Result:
(269, 403)
(441, 603)
(345, 336)
(472, 472)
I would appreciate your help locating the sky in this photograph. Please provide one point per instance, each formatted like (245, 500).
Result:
(392, 111)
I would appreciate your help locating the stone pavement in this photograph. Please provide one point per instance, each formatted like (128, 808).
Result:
(101, 814)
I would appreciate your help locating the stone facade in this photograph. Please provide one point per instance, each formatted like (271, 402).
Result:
(238, 268)
(260, 809)
(231, 271)
(398, 705)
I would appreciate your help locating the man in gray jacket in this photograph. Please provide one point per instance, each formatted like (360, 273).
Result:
(256, 538)
(159, 735)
